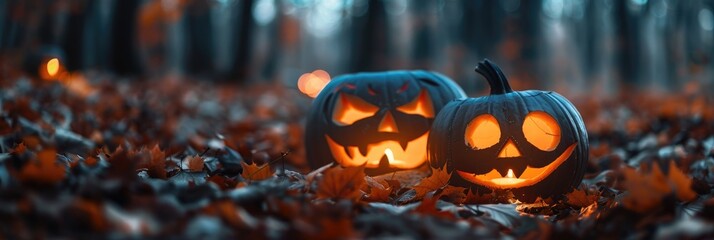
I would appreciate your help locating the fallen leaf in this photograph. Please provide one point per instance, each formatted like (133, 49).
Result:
(645, 190)
(378, 192)
(477, 198)
(453, 194)
(193, 163)
(438, 179)
(253, 172)
(19, 149)
(341, 183)
(580, 198)
(588, 211)
(44, 169)
(157, 167)
(428, 206)
(681, 182)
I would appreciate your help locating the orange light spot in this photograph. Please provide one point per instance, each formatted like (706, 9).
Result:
(414, 155)
(53, 66)
(421, 105)
(510, 174)
(483, 132)
(510, 150)
(541, 130)
(349, 109)
(388, 124)
(312, 83)
(390, 155)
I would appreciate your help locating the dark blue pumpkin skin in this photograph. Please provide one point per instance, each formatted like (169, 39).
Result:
(447, 146)
(385, 90)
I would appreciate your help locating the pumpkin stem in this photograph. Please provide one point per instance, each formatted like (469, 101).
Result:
(494, 76)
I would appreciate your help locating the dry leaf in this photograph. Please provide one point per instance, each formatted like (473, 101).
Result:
(438, 179)
(44, 169)
(378, 192)
(645, 191)
(193, 163)
(454, 194)
(476, 198)
(253, 172)
(157, 168)
(428, 206)
(681, 182)
(341, 183)
(19, 149)
(580, 198)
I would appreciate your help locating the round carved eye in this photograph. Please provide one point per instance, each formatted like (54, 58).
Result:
(349, 109)
(483, 132)
(541, 130)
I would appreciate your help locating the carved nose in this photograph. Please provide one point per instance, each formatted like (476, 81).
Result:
(387, 124)
(510, 150)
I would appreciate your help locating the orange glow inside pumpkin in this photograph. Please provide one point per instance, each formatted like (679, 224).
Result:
(421, 105)
(349, 109)
(530, 176)
(387, 124)
(541, 130)
(483, 132)
(414, 155)
(510, 150)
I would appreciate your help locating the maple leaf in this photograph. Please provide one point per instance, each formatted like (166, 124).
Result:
(580, 198)
(428, 206)
(19, 149)
(453, 194)
(378, 192)
(646, 190)
(253, 172)
(438, 179)
(193, 163)
(341, 183)
(157, 167)
(44, 169)
(477, 198)
(91, 161)
(682, 183)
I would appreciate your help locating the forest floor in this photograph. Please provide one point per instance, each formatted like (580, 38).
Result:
(175, 158)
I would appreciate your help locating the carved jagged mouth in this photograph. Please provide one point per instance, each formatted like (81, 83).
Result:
(530, 176)
(405, 155)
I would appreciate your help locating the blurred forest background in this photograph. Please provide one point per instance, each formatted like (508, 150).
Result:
(596, 46)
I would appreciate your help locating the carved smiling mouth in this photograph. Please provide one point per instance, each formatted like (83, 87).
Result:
(399, 155)
(530, 176)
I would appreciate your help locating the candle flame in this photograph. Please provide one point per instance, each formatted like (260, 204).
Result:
(53, 67)
(390, 155)
(510, 174)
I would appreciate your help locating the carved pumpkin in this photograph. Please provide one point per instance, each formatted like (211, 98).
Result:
(380, 120)
(533, 142)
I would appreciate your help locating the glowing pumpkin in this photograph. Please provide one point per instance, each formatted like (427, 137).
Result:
(532, 142)
(380, 120)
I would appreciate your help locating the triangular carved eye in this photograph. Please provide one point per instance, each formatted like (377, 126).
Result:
(421, 105)
(350, 109)
(541, 130)
(483, 132)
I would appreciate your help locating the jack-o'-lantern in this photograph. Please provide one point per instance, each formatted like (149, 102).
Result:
(533, 142)
(379, 120)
